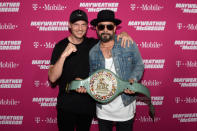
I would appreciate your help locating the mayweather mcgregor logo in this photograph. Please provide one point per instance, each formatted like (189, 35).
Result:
(9, 6)
(186, 82)
(50, 25)
(154, 63)
(148, 25)
(11, 120)
(187, 117)
(186, 45)
(96, 7)
(42, 64)
(11, 83)
(10, 45)
(45, 101)
(187, 8)
(156, 100)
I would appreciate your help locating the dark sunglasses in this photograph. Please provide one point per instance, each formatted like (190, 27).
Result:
(102, 27)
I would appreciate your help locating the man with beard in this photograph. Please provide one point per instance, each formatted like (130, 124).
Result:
(70, 61)
(126, 63)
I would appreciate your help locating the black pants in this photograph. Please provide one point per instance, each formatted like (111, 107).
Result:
(68, 121)
(105, 125)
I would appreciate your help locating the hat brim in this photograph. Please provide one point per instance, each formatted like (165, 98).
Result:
(77, 19)
(94, 22)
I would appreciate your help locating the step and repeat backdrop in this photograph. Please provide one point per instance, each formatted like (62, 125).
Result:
(164, 30)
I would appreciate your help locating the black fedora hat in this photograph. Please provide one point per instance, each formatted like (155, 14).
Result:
(105, 15)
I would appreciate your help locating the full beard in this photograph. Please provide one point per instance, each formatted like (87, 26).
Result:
(105, 37)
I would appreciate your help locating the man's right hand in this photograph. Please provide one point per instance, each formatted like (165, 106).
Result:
(69, 49)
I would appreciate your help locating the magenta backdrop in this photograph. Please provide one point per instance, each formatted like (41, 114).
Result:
(166, 34)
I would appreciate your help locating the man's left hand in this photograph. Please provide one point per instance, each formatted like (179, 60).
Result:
(127, 91)
(126, 39)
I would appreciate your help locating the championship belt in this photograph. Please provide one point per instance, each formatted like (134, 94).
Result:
(103, 86)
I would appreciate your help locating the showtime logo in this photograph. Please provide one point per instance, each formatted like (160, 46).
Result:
(11, 120)
(11, 83)
(186, 82)
(7, 26)
(96, 7)
(150, 44)
(10, 45)
(9, 102)
(50, 25)
(37, 83)
(148, 25)
(45, 101)
(47, 45)
(187, 100)
(147, 119)
(47, 120)
(49, 7)
(189, 27)
(8, 65)
(186, 45)
(188, 64)
(188, 117)
(42, 64)
(9, 6)
(156, 100)
(153, 83)
(187, 8)
(146, 7)
(154, 63)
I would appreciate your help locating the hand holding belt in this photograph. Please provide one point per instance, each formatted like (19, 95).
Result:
(103, 86)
